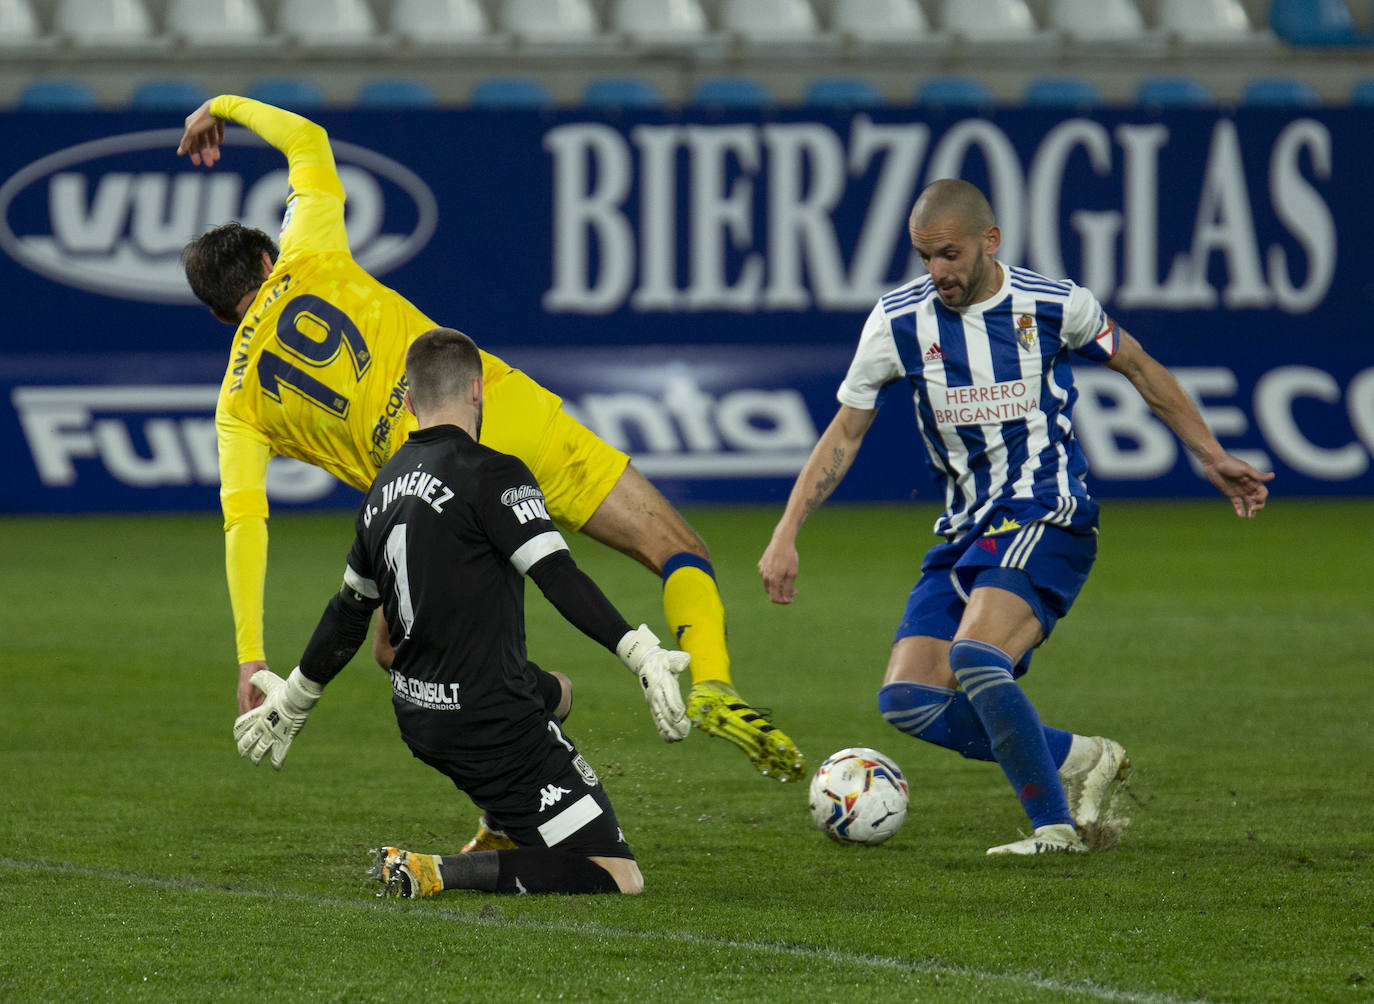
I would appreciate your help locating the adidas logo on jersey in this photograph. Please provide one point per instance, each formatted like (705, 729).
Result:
(933, 353)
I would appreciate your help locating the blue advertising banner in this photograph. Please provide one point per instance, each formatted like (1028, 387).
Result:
(694, 283)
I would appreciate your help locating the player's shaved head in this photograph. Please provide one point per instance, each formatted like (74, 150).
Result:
(951, 199)
(440, 367)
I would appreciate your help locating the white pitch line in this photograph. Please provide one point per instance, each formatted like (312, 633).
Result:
(1083, 988)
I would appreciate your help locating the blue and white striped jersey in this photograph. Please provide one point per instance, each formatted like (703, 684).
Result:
(993, 390)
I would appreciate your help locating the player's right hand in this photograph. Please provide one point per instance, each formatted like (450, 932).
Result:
(778, 569)
(657, 669)
(249, 696)
(272, 727)
(203, 137)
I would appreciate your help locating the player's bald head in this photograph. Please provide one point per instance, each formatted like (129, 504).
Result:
(440, 367)
(951, 199)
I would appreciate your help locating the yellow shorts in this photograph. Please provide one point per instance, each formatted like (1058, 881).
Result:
(575, 468)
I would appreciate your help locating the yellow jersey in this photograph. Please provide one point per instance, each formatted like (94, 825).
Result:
(317, 368)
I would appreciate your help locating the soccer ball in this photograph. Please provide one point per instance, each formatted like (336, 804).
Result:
(858, 796)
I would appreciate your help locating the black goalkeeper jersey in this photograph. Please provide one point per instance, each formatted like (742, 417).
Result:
(444, 539)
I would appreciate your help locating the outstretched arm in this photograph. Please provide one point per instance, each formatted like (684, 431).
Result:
(830, 460)
(1234, 478)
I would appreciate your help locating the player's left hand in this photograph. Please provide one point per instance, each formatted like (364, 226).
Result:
(270, 727)
(1239, 482)
(203, 137)
(658, 669)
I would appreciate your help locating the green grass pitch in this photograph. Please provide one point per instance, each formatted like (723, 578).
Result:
(141, 859)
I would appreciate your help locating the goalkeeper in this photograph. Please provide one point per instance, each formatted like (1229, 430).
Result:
(316, 374)
(444, 539)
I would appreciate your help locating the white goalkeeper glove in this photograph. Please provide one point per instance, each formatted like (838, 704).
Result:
(657, 670)
(272, 725)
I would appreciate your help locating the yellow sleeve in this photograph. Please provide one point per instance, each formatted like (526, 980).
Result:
(243, 457)
(314, 219)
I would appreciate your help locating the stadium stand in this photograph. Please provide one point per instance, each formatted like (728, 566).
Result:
(1062, 92)
(655, 22)
(440, 22)
(105, 23)
(888, 21)
(19, 25)
(1362, 92)
(990, 20)
(217, 23)
(395, 92)
(621, 92)
(452, 45)
(293, 93)
(954, 91)
(732, 92)
(56, 94)
(550, 20)
(511, 92)
(327, 23)
(1279, 92)
(168, 94)
(1314, 22)
(1170, 91)
(842, 92)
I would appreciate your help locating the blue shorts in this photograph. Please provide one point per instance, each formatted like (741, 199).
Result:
(1044, 565)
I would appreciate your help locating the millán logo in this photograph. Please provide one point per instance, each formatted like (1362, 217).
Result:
(111, 216)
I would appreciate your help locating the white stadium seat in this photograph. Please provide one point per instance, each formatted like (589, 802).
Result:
(328, 22)
(881, 20)
(1108, 20)
(217, 22)
(104, 23)
(551, 20)
(990, 20)
(1210, 21)
(18, 23)
(770, 20)
(659, 20)
(437, 22)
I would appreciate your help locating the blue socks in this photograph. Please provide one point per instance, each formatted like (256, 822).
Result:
(946, 718)
(1013, 728)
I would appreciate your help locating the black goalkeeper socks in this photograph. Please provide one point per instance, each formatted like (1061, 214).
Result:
(525, 870)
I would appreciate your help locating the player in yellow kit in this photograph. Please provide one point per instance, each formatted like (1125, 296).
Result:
(317, 372)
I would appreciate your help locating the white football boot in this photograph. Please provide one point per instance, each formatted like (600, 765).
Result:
(1057, 838)
(1089, 771)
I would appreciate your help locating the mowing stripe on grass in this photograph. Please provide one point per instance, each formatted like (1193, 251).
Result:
(1083, 988)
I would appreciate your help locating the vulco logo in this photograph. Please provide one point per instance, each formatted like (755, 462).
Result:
(94, 216)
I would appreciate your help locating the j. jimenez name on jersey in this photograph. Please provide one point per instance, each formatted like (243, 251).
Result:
(417, 483)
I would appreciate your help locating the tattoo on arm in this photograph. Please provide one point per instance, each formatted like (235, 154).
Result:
(830, 478)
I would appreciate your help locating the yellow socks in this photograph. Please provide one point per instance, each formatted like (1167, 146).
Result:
(692, 605)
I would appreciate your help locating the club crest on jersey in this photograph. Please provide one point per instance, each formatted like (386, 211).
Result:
(1026, 331)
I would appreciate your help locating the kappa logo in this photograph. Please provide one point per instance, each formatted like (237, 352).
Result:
(551, 794)
(112, 215)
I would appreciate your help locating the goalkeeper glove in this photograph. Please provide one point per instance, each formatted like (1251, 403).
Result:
(657, 670)
(272, 725)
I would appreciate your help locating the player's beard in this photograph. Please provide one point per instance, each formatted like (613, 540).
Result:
(973, 288)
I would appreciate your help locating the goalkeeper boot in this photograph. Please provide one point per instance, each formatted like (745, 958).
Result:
(1057, 838)
(405, 875)
(488, 839)
(717, 710)
(1089, 772)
